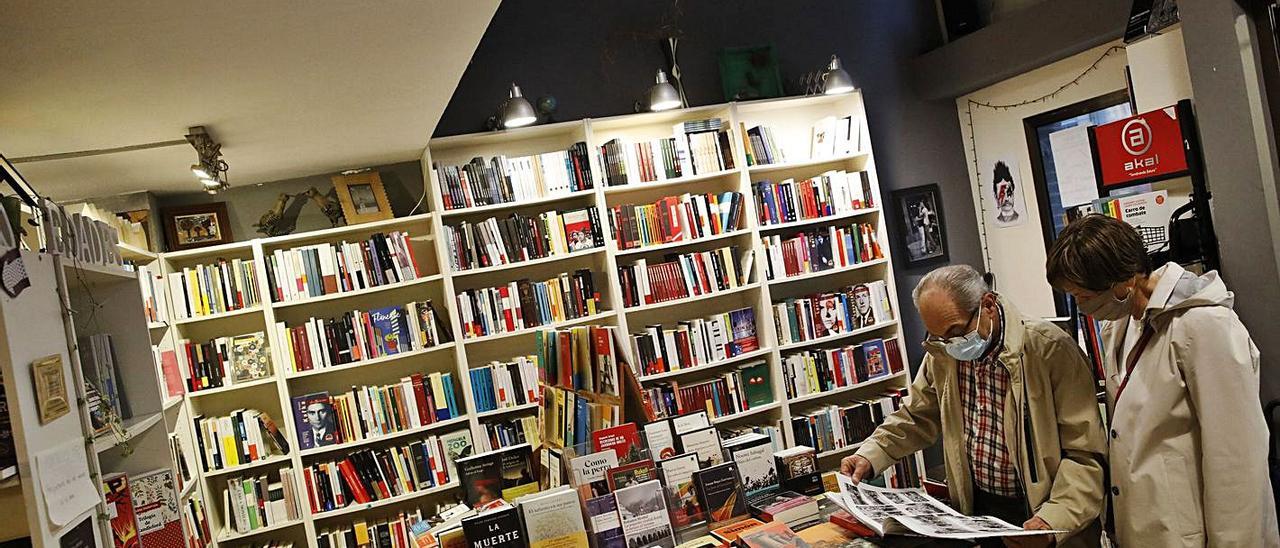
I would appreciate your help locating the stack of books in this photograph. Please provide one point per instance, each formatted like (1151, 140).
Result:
(242, 437)
(208, 289)
(260, 501)
(641, 162)
(366, 412)
(745, 388)
(523, 304)
(155, 307)
(685, 275)
(675, 218)
(704, 146)
(834, 427)
(223, 361)
(518, 238)
(362, 335)
(369, 474)
(823, 370)
(832, 193)
(834, 136)
(695, 342)
(501, 180)
(823, 314)
(330, 268)
(194, 521)
(509, 432)
(570, 417)
(763, 147)
(501, 385)
(820, 249)
(99, 370)
(396, 530)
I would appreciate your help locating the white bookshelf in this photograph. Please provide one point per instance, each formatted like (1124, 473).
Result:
(791, 120)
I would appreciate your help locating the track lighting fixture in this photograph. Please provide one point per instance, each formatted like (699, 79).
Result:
(835, 80)
(210, 169)
(662, 95)
(516, 110)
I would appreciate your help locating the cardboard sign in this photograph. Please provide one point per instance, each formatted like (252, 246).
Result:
(1141, 148)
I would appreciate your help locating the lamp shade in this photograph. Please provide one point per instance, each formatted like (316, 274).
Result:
(835, 80)
(663, 96)
(517, 112)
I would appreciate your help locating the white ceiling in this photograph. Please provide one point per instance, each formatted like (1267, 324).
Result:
(289, 88)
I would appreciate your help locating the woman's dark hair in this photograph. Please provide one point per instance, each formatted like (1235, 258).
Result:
(1096, 252)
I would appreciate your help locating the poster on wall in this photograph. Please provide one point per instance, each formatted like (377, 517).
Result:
(1005, 191)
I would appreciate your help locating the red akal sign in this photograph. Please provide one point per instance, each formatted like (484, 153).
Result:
(1146, 146)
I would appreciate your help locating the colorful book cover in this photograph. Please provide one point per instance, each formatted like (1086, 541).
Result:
(758, 388)
(457, 445)
(554, 520)
(249, 360)
(729, 533)
(873, 356)
(660, 439)
(744, 331)
(642, 509)
(496, 527)
(720, 492)
(677, 475)
(518, 477)
(602, 512)
(392, 328)
(798, 470)
(589, 472)
(624, 439)
(155, 503)
(774, 534)
(316, 422)
(755, 465)
(630, 474)
(481, 477)
(578, 232)
(124, 523)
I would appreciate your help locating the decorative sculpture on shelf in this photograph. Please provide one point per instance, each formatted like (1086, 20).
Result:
(282, 218)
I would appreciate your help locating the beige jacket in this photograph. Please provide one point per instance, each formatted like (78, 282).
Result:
(1068, 445)
(1189, 442)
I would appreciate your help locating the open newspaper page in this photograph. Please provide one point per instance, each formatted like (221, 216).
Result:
(914, 512)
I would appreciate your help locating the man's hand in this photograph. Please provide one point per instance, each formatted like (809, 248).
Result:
(855, 467)
(1032, 541)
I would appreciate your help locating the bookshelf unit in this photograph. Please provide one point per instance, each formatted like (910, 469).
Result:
(791, 119)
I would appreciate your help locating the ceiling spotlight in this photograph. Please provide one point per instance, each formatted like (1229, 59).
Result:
(835, 80)
(516, 111)
(200, 172)
(662, 95)
(210, 169)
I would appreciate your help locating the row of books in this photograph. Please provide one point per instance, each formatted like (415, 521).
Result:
(523, 304)
(747, 387)
(675, 218)
(829, 136)
(822, 314)
(101, 375)
(820, 249)
(510, 432)
(519, 238)
(195, 522)
(500, 385)
(397, 531)
(362, 335)
(241, 437)
(833, 427)
(373, 474)
(223, 361)
(581, 358)
(332, 268)
(641, 162)
(570, 417)
(823, 370)
(763, 147)
(684, 275)
(695, 342)
(503, 180)
(835, 192)
(704, 146)
(208, 289)
(260, 501)
(143, 509)
(367, 412)
(155, 307)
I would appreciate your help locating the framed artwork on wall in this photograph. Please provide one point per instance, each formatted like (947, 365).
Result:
(921, 224)
(200, 225)
(362, 197)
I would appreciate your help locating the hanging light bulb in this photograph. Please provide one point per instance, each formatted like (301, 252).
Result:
(517, 112)
(835, 80)
(662, 95)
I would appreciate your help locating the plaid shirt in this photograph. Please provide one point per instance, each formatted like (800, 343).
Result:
(984, 383)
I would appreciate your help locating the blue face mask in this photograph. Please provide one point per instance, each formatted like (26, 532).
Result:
(970, 346)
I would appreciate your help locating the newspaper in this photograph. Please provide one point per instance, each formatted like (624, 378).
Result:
(914, 512)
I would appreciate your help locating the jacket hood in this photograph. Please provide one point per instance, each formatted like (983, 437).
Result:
(1179, 289)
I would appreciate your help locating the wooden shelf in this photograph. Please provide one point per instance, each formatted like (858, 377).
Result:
(157, 325)
(744, 414)
(818, 220)
(841, 451)
(370, 363)
(338, 233)
(96, 273)
(135, 253)
(272, 460)
(506, 410)
(769, 168)
(838, 336)
(356, 507)
(476, 210)
(133, 428)
(219, 316)
(554, 325)
(358, 292)
(678, 181)
(438, 425)
(531, 262)
(706, 366)
(828, 272)
(234, 536)
(231, 388)
(683, 243)
(844, 389)
(686, 300)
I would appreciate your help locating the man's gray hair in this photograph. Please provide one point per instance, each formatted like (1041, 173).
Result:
(961, 282)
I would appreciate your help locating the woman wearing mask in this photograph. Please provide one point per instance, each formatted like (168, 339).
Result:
(1188, 439)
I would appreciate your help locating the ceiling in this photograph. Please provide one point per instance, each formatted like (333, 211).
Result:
(290, 88)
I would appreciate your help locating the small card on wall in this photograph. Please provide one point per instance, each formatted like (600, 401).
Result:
(64, 479)
(51, 388)
(1003, 187)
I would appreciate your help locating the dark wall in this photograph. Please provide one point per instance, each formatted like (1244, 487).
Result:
(596, 58)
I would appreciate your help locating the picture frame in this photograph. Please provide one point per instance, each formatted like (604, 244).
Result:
(51, 388)
(195, 226)
(749, 73)
(921, 225)
(363, 197)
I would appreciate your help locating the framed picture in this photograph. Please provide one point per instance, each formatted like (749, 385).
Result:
(362, 197)
(201, 225)
(749, 73)
(920, 221)
(51, 388)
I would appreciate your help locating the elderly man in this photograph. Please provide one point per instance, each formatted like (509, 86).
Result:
(1013, 399)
